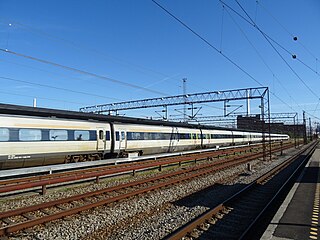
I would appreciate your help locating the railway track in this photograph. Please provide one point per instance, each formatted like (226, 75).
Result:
(18, 219)
(44, 181)
(241, 215)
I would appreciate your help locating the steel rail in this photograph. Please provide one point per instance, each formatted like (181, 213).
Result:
(96, 173)
(262, 212)
(77, 197)
(216, 166)
(53, 175)
(189, 227)
(162, 158)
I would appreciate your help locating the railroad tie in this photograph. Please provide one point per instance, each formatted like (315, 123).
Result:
(28, 216)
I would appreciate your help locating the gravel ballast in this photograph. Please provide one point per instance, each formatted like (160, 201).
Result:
(148, 216)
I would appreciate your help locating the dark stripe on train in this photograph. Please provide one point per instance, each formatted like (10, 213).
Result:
(35, 135)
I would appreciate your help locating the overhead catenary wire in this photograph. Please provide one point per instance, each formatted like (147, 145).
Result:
(57, 88)
(260, 56)
(44, 98)
(216, 49)
(265, 35)
(221, 34)
(213, 47)
(294, 56)
(74, 91)
(294, 72)
(316, 107)
(285, 29)
(82, 47)
(69, 68)
(206, 41)
(81, 71)
(270, 38)
(53, 73)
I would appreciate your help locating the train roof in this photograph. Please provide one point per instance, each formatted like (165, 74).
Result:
(66, 114)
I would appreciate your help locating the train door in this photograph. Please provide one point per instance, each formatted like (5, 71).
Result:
(122, 140)
(233, 139)
(101, 140)
(194, 139)
(174, 139)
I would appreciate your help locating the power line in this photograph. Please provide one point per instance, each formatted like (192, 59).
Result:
(82, 47)
(213, 47)
(206, 41)
(316, 107)
(285, 29)
(263, 34)
(50, 99)
(57, 88)
(81, 71)
(52, 73)
(64, 89)
(221, 34)
(259, 55)
(266, 36)
(278, 52)
(271, 39)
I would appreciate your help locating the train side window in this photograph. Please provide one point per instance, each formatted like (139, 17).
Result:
(81, 135)
(108, 135)
(93, 135)
(29, 134)
(4, 134)
(157, 136)
(123, 136)
(101, 134)
(166, 136)
(117, 136)
(58, 135)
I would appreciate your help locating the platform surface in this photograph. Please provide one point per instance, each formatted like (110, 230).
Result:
(298, 216)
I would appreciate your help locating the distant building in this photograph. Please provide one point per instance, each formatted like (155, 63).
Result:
(256, 124)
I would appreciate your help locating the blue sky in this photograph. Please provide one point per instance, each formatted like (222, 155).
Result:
(136, 42)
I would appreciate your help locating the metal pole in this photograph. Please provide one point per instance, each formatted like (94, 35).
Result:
(310, 129)
(166, 112)
(248, 102)
(184, 82)
(305, 128)
(263, 130)
(225, 107)
(294, 131)
(269, 125)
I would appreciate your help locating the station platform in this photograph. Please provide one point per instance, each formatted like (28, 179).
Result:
(298, 216)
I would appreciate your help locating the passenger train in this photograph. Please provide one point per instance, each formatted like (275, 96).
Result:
(27, 140)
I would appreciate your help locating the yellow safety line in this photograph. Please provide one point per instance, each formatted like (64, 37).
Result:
(313, 234)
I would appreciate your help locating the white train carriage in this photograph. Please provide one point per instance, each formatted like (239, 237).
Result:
(216, 138)
(148, 139)
(31, 141)
(255, 137)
